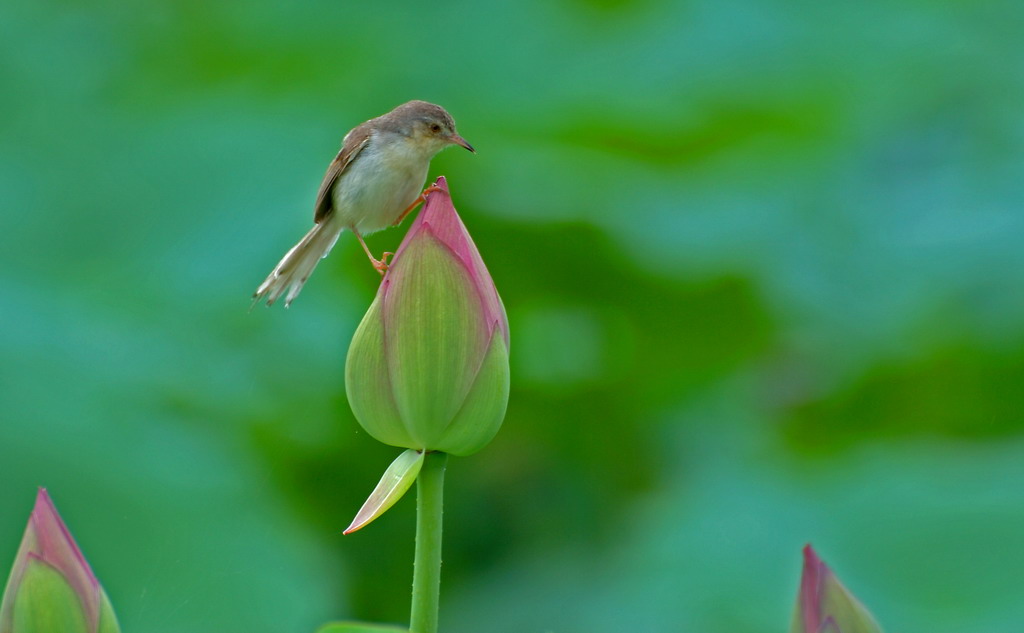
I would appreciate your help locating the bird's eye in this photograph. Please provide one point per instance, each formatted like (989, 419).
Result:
(435, 127)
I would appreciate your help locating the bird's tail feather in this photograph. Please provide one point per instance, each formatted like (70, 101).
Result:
(297, 265)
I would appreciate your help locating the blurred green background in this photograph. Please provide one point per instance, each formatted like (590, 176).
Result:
(763, 263)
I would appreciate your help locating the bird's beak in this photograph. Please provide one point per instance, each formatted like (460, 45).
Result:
(458, 140)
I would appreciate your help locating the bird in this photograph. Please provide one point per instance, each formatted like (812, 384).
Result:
(373, 183)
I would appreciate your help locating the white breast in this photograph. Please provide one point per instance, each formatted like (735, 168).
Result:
(381, 182)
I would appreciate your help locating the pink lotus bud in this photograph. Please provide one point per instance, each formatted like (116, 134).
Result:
(824, 605)
(51, 588)
(428, 366)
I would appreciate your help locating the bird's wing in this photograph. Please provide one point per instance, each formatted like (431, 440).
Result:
(351, 145)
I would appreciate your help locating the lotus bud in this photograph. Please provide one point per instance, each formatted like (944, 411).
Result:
(825, 605)
(428, 365)
(51, 588)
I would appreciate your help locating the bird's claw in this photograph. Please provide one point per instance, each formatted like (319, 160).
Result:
(382, 264)
(415, 203)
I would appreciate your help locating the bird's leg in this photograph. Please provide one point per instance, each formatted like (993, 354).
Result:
(380, 264)
(415, 203)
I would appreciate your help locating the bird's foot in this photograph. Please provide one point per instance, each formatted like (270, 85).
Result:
(381, 264)
(415, 203)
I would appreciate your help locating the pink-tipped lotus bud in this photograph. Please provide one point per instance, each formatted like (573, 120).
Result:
(51, 588)
(825, 605)
(428, 365)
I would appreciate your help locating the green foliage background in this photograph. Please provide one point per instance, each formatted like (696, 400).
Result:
(763, 262)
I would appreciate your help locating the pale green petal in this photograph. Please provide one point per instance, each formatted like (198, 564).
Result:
(435, 337)
(796, 624)
(368, 384)
(28, 544)
(46, 603)
(481, 415)
(108, 621)
(392, 485)
(848, 613)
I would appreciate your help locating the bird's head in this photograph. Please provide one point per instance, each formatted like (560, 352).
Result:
(429, 126)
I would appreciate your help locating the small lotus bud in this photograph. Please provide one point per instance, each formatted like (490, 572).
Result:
(825, 605)
(51, 588)
(428, 365)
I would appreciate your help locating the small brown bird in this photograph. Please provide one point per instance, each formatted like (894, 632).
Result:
(372, 183)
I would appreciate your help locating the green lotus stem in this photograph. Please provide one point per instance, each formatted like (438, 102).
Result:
(426, 575)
